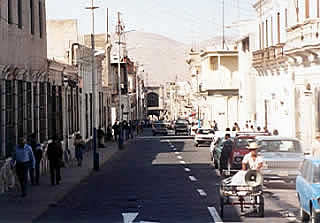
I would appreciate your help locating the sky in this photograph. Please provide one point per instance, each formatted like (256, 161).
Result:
(182, 20)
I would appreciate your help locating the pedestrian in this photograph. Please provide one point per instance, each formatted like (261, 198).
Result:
(109, 132)
(265, 129)
(275, 132)
(23, 159)
(246, 129)
(100, 134)
(55, 154)
(215, 125)
(227, 147)
(252, 128)
(37, 152)
(116, 130)
(259, 129)
(79, 148)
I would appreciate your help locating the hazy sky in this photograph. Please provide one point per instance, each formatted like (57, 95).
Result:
(182, 20)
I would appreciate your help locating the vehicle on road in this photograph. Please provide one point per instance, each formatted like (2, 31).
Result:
(242, 141)
(159, 128)
(203, 136)
(170, 128)
(282, 157)
(181, 126)
(308, 190)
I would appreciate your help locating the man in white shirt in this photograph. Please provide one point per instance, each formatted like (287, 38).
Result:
(252, 160)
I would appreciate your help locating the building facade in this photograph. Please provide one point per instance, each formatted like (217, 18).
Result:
(24, 73)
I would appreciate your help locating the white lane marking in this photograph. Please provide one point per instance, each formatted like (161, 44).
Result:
(202, 192)
(215, 215)
(187, 169)
(182, 162)
(192, 178)
(179, 157)
(176, 153)
(129, 217)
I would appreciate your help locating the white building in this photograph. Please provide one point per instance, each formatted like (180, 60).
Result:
(275, 98)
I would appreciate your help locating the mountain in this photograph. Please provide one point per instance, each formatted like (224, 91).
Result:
(163, 59)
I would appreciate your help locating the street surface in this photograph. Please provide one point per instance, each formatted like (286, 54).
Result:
(161, 180)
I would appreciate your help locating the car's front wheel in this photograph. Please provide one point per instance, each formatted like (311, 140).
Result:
(315, 217)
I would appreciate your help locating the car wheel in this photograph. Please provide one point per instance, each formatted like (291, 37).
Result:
(304, 216)
(315, 218)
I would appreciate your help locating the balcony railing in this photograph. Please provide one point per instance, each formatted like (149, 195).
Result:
(268, 55)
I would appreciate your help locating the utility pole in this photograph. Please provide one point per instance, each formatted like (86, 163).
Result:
(119, 31)
(94, 130)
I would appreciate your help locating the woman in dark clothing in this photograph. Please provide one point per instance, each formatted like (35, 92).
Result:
(55, 154)
(37, 151)
(79, 147)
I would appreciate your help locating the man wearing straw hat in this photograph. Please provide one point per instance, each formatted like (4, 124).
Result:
(252, 160)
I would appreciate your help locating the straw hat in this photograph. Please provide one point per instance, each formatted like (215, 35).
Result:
(253, 146)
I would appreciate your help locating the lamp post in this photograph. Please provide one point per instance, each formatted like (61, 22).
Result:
(94, 130)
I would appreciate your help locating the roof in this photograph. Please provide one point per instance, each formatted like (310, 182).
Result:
(272, 138)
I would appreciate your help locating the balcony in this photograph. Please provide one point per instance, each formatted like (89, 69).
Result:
(304, 35)
(269, 56)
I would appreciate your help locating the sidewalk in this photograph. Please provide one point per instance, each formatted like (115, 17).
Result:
(15, 209)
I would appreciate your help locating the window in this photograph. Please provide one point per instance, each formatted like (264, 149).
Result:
(60, 114)
(19, 2)
(35, 108)
(10, 19)
(29, 106)
(32, 16)
(267, 39)
(42, 112)
(307, 5)
(40, 20)
(10, 117)
(20, 109)
(87, 116)
(91, 116)
(262, 35)
(278, 26)
(286, 17)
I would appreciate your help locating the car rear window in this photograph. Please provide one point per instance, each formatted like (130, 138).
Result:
(280, 146)
(205, 131)
(241, 143)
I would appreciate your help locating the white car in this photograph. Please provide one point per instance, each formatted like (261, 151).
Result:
(203, 136)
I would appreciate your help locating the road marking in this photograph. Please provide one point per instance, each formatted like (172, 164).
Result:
(129, 217)
(202, 192)
(182, 162)
(176, 153)
(179, 157)
(187, 169)
(192, 178)
(215, 215)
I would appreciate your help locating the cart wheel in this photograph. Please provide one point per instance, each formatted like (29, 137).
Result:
(261, 206)
(221, 206)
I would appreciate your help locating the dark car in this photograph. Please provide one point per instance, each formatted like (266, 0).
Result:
(181, 126)
(159, 128)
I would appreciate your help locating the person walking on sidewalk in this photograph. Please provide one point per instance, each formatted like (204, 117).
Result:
(100, 134)
(116, 130)
(79, 147)
(24, 159)
(37, 152)
(55, 154)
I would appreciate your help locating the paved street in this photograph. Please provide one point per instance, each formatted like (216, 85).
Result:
(160, 180)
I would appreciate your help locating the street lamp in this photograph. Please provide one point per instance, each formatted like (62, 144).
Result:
(95, 154)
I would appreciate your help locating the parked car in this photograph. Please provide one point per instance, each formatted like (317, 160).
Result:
(181, 126)
(203, 136)
(159, 129)
(282, 157)
(308, 190)
(242, 141)
(170, 128)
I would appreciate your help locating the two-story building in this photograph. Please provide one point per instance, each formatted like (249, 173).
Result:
(23, 72)
(219, 86)
(275, 95)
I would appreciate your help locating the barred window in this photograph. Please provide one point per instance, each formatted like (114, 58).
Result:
(42, 111)
(91, 116)
(35, 108)
(50, 111)
(70, 113)
(59, 114)
(20, 109)
(78, 111)
(87, 116)
(29, 107)
(10, 117)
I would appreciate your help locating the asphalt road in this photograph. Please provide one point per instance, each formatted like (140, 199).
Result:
(161, 180)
